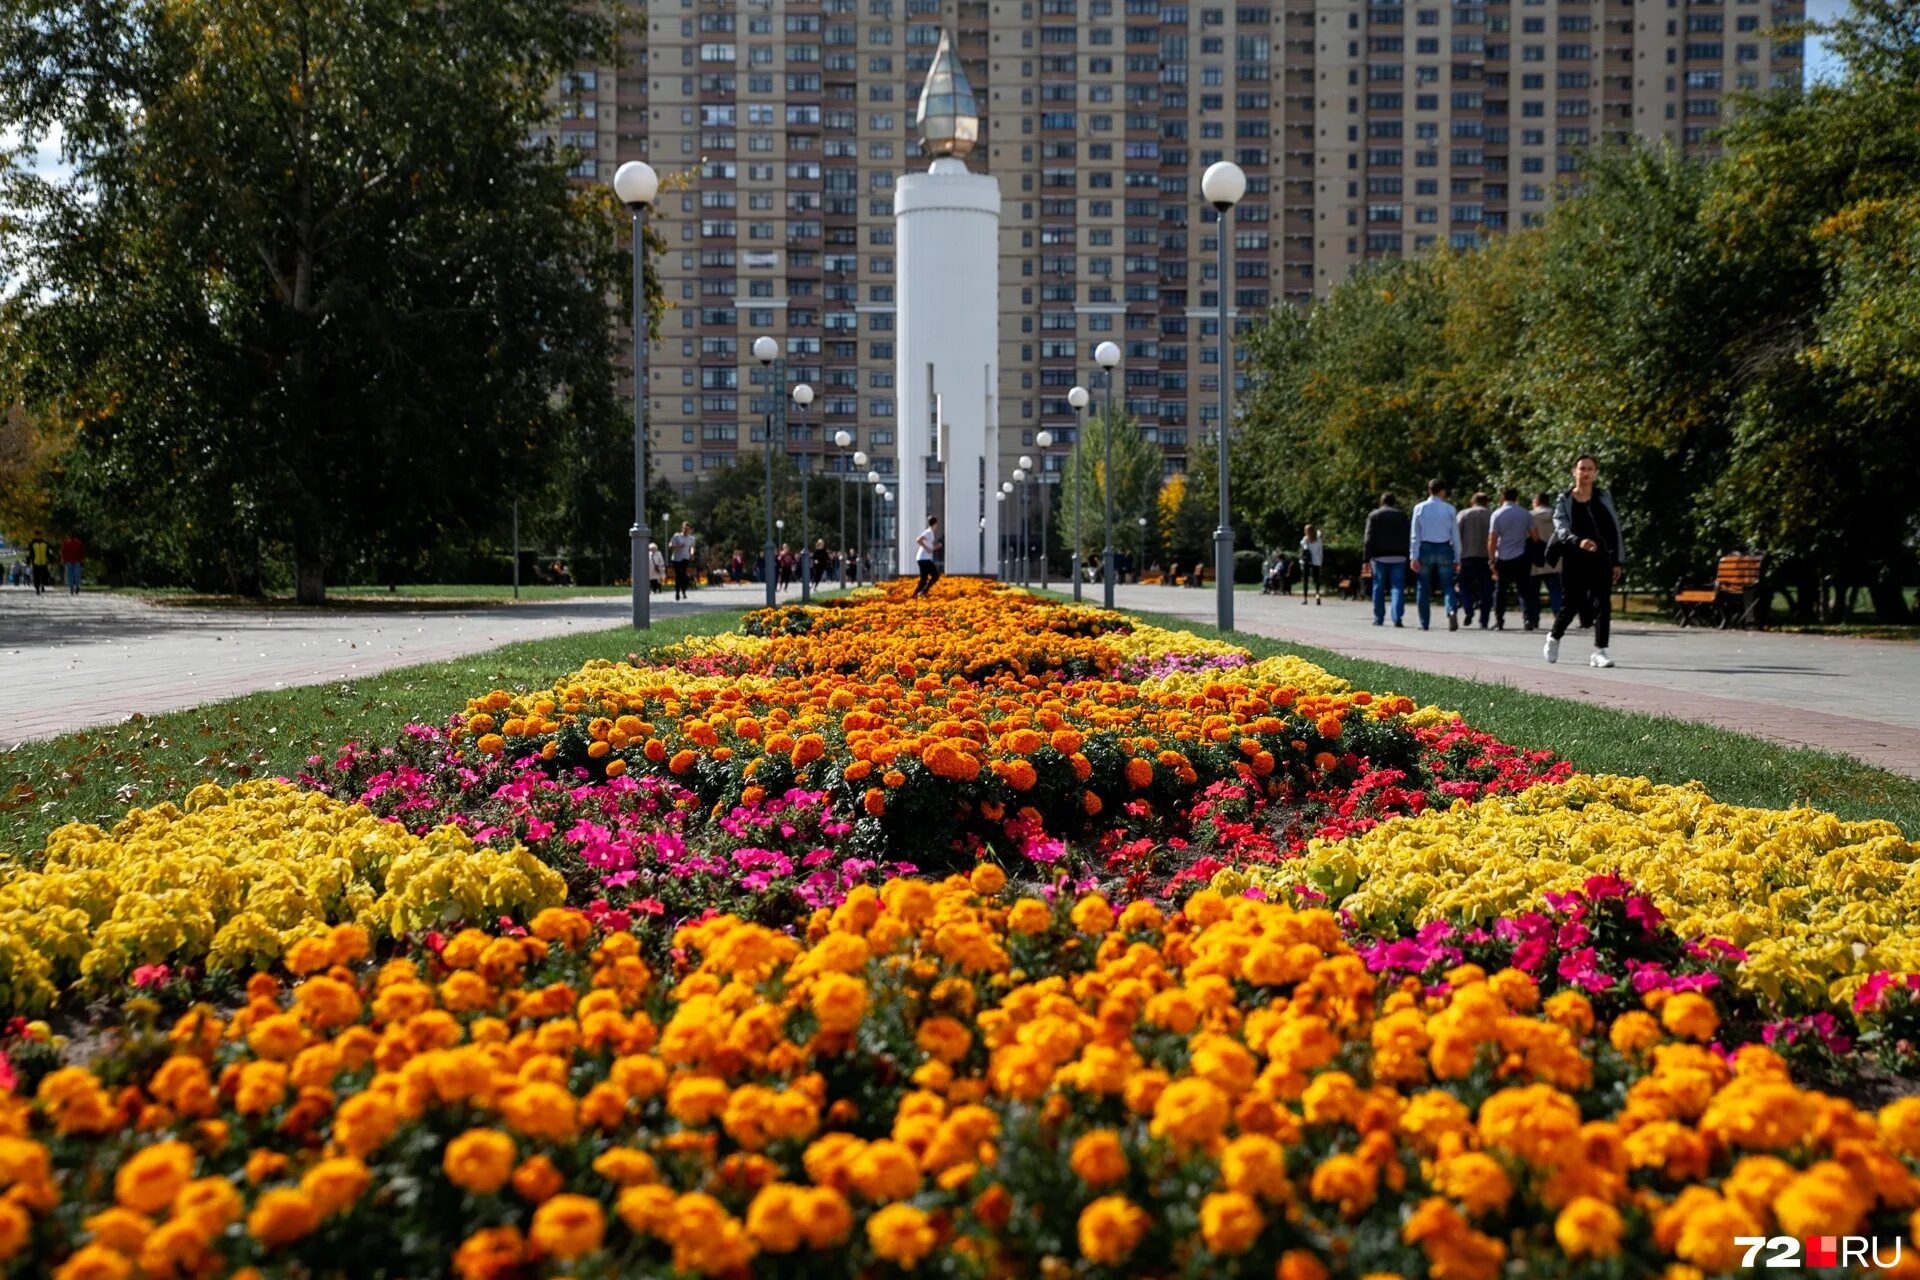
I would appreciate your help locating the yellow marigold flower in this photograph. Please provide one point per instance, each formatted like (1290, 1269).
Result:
(364, 1122)
(625, 1166)
(540, 1110)
(1110, 1228)
(886, 1170)
(1824, 1200)
(1344, 1180)
(1476, 1180)
(1190, 1112)
(1588, 1228)
(839, 1001)
(1092, 914)
(1230, 1222)
(149, 1179)
(645, 1209)
(696, 1100)
(826, 1217)
(1255, 1165)
(1029, 916)
(94, 1262)
(282, 1216)
(537, 1180)
(213, 1203)
(943, 1038)
(901, 1234)
(1571, 1010)
(1298, 1264)
(490, 1253)
(1098, 1158)
(334, 1185)
(1634, 1032)
(1708, 1230)
(568, 1227)
(174, 1248)
(480, 1161)
(1690, 1014)
(121, 1230)
(987, 879)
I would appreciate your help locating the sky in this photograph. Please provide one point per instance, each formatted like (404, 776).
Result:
(1821, 64)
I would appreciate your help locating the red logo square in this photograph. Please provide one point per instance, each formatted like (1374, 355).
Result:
(1822, 1251)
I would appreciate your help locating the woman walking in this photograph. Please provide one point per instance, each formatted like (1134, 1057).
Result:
(1592, 551)
(1313, 554)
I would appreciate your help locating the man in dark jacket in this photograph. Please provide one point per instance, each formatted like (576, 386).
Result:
(1386, 546)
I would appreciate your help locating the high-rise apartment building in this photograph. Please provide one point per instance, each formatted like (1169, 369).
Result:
(1366, 130)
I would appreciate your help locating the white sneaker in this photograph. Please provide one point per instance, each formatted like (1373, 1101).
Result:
(1553, 649)
(1599, 659)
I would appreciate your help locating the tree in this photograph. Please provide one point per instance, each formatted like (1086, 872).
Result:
(728, 507)
(1136, 486)
(316, 284)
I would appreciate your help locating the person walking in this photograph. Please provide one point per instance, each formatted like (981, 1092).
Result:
(1586, 530)
(656, 568)
(1545, 572)
(1476, 566)
(680, 555)
(1433, 549)
(925, 548)
(1312, 558)
(1510, 547)
(73, 553)
(1387, 536)
(40, 557)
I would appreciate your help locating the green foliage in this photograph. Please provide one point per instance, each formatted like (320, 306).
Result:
(1737, 340)
(311, 281)
(1136, 487)
(728, 508)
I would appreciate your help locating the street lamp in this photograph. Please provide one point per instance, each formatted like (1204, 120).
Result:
(802, 397)
(1045, 442)
(1223, 184)
(1020, 477)
(871, 534)
(636, 185)
(1001, 499)
(764, 350)
(1107, 355)
(859, 516)
(1140, 563)
(843, 439)
(1078, 399)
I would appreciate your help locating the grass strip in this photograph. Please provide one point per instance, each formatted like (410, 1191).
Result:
(1735, 767)
(96, 775)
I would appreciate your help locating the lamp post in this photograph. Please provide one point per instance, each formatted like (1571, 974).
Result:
(1045, 442)
(1140, 562)
(843, 439)
(1107, 355)
(1077, 398)
(1223, 184)
(1022, 477)
(873, 568)
(636, 185)
(764, 350)
(781, 526)
(1001, 498)
(859, 517)
(802, 397)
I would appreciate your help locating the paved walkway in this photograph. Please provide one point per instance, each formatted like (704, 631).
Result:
(73, 661)
(1856, 697)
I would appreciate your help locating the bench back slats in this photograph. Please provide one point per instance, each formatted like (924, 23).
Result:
(1738, 572)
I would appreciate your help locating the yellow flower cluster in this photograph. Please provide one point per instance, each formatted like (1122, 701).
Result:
(935, 1075)
(233, 877)
(1817, 903)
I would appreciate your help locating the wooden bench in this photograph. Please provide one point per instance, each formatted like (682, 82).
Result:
(1734, 600)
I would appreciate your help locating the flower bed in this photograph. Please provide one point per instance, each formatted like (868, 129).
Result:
(936, 1072)
(1816, 904)
(1450, 1011)
(232, 879)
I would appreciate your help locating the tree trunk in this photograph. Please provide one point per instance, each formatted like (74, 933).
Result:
(1889, 601)
(309, 580)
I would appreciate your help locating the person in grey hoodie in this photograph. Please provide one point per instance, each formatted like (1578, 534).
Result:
(1588, 540)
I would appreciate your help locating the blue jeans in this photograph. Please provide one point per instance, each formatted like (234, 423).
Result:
(1476, 587)
(73, 579)
(1383, 572)
(1436, 578)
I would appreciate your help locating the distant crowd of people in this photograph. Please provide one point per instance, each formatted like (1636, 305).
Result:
(35, 561)
(682, 565)
(1475, 558)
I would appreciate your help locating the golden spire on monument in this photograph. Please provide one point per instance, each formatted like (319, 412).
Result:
(948, 117)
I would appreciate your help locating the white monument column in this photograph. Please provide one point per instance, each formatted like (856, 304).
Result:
(947, 334)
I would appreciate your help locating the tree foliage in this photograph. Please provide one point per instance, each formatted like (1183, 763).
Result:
(316, 287)
(1738, 340)
(1136, 486)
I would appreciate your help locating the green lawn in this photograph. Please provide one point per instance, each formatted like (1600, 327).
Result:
(96, 775)
(1734, 767)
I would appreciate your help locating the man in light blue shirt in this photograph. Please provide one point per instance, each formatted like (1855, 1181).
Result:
(1434, 553)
